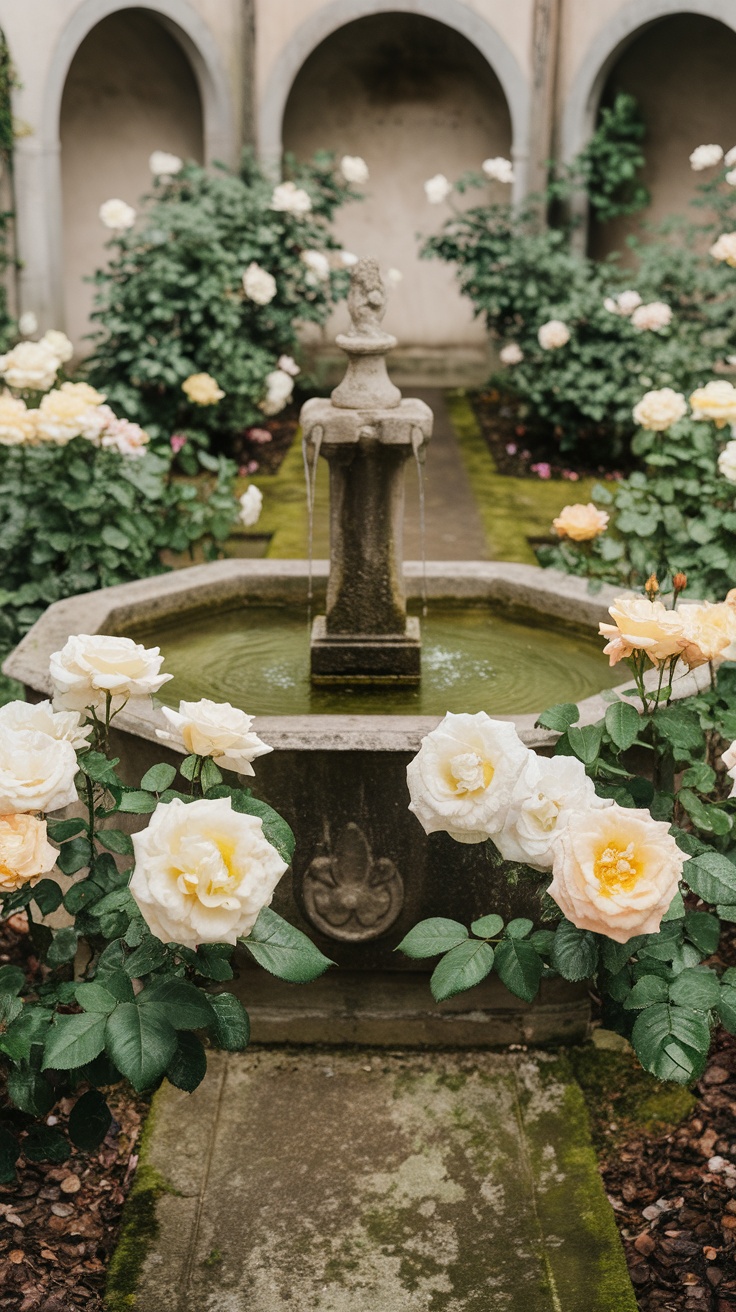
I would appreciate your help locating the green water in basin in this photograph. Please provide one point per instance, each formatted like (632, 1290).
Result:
(473, 658)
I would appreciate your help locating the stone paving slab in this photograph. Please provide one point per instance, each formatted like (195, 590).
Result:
(357, 1181)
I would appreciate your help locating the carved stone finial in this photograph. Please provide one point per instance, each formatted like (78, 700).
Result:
(366, 299)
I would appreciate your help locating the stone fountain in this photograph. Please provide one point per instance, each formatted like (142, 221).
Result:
(364, 871)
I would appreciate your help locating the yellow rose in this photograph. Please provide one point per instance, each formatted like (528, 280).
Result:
(710, 632)
(25, 852)
(17, 422)
(642, 625)
(725, 248)
(615, 871)
(84, 393)
(581, 523)
(716, 401)
(659, 409)
(202, 389)
(63, 415)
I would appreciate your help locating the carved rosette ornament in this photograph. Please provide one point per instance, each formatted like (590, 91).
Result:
(350, 894)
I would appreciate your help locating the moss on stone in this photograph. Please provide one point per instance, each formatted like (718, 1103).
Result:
(139, 1227)
(618, 1092)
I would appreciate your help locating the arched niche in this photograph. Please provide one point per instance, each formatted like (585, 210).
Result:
(414, 98)
(148, 100)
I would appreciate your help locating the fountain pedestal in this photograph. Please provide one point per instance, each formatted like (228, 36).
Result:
(366, 432)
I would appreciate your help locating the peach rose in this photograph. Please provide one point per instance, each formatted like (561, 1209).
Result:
(724, 249)
(659, 409)
(202, 389)
(25, 852)
(710, 632)
(581, 523)
(642, 625)
(615, 871)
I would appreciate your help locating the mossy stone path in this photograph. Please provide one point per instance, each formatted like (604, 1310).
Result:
(361, 1181)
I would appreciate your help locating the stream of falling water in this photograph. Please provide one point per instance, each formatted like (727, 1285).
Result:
(310, 478)
(417, 442)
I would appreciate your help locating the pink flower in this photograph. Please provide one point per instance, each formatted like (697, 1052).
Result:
(511, 448)
(259, 435)
(570, 473)
(542, 469)
(250, 468)
(176, 442)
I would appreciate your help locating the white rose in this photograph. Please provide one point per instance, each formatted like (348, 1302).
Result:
(117, 215)
(511, 353)
(62, 416)
(291, 199)
(258, 284)
(40, 717)
(279, 387)
(348, 259)
(546, 794)
(317, 263)
(652, 316)
(59, 345)
(30, 366)
(203, 872)
(88, 395)
(724, 249)
(163, 165)
(729, 159)
(394, 277)
(17, 422)
(628, 301)
(553, 334)
(731, 177)
(463, 776)
(498, 169)
(27, 324)
(709, 632)
(288, 365)
(91, 666)
(729, 760)
(437, 189)
(659, 409)
(705, 157)
(354, 169)
(214, 729)
(615, 871)
(716, 401)
(25, 852)
(727, 462)
(36, 772)
(251, 504)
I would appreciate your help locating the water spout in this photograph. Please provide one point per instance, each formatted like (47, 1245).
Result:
(314, 441)
(419, 448)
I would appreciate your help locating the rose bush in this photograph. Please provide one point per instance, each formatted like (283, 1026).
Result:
(631, 874)
(134, 984)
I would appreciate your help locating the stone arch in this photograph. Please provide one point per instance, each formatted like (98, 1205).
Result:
(582, 101)
(452, 13)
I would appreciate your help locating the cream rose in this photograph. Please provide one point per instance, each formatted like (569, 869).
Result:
(354, 169)
(27, 324)
(437, 189)
(165, 166)
(642, 625)
(279, 387)
(706, 157)
(553, 335)
(203, 872)
(290, 199)
(731, 177)
(288, 365)
(124, 437)
(624, 303)
(17, 422)
(117, 215)
(25, 852)
(91, 666)
(202, 389)
(36, 771)
(62, 416)
(581, 523)
(348, 259)
(651, 317)
(59, 345)
(258, 284)
(251, 504)
(463, 776)
(615, 871)
(716, 401)
(317, 264)
(726, 460)
(659, 409)
(511, 353)
(709, 631)
(498, 169)
(729, 760)
(40, 717)
(84, 393)
(724, 249)
(214, 729)
(30, 366)
(546, 794)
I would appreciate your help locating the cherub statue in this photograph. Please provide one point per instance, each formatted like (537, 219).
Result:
(366, 299)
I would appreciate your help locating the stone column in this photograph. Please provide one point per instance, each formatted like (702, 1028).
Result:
(545, 39)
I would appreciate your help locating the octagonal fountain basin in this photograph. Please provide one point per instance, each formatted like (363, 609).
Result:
(504, 638)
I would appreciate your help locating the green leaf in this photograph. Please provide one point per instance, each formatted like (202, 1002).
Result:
(135, 802)
(700, 776)
(671, 1042)
(9, 1154)
(59, 830)
(12, 979)
(210, 776)
(74, 856)
(711, 876)
(586, 742)
(703, 929)
(158, 778)
(623, 724)
(99, 767)
(213, 961)
(188, 1066)
(43, 1144)
(112, 537)
(648, 990)
(24, 1032)
(696, 987)
(116, 840)
(461, 968)
(74, 1040)
(574, 952)
(95, 997)
(231, 1027)
(151, 954)
(559, 718)
(283, 950)
(675, 910)
(188, 767)
(487, 926)
(184, 1005)
(433, 936)
(63, 948)
(141, 1041)
(47, 895)
(519, 967)
(89, 1121)
(30, 1091)
(682, 730)
(521, 927)
(727, 1005)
